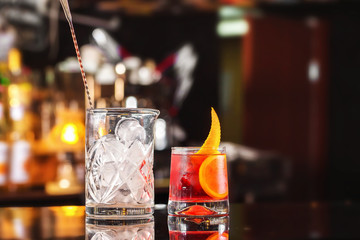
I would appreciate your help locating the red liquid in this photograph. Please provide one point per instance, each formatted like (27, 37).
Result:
(198, 235)
(184, 178)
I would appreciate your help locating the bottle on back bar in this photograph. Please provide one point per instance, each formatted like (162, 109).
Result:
(4, 145)
(21, 136)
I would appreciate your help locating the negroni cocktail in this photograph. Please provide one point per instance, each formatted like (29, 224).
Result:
(198, 177)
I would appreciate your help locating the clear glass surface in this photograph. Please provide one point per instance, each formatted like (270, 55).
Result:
(119, 179)
(198, 182)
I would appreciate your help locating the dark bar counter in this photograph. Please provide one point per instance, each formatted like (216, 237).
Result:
(247, 221)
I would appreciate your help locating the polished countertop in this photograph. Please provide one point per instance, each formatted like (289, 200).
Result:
(314, 220)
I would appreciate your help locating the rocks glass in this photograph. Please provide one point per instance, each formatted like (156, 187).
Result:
(198, 182)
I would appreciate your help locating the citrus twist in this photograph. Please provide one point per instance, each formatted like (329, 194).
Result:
(213, 170)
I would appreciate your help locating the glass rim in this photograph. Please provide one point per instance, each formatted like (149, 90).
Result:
(123, 110)
(184, 150)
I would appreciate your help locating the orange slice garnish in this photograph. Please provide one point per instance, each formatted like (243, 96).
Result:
(218, 236)
(212, 142)
(213, 176)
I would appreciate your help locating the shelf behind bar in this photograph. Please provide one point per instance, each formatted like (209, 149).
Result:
(39, 198)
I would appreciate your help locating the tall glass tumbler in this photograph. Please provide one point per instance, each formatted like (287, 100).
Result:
(119, 181)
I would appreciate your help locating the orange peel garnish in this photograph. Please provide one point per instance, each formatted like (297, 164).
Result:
(212, 142)
(213, 170)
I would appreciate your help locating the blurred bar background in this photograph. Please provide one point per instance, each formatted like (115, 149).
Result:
(283, 76)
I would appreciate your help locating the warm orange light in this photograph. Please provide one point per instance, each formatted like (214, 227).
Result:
(2, 168)
(102, 131)
(14, 59)
(70, 134)
(70, 211)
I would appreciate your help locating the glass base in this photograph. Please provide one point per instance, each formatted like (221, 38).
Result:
(211, 223)
(129, 221)
(111, 212)
(210, 208)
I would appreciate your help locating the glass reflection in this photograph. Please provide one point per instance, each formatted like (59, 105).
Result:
(139, 229)
(42, 223)
(15, 223)
(188, 228)
(68, 221)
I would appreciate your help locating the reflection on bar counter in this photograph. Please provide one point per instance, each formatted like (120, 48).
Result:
(200, 228)
(125, 229)
(42, 223)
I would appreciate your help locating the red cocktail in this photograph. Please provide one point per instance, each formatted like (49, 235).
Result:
(198, 182)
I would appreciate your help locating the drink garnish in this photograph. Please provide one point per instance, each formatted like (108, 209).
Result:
(213, 171)
(212, 142)
(213, 176)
